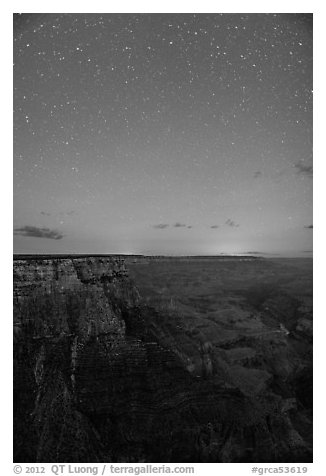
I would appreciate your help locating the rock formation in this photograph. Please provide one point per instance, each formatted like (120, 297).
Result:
(101, 377)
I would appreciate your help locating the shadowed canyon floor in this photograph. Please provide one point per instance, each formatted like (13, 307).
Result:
(141, 359)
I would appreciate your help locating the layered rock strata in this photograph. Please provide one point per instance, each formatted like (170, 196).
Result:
(99, 378)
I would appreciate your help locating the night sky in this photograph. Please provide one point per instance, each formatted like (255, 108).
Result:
(163, 133)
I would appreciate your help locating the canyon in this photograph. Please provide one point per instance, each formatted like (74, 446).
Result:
(135, 359)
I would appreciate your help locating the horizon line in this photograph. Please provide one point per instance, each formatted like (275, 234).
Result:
(252, 255)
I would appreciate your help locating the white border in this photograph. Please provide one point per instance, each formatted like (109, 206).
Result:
(316, 7)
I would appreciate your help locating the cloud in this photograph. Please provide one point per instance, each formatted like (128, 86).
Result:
(257, 174)
(214, 226)
(161, 226)
(309, 226)
(179, 225)
(231, 223)
(304, 169)
(37, 232)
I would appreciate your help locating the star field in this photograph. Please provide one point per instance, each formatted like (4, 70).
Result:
(127, 125)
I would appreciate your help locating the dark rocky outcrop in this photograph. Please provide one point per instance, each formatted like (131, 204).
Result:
(99, 376)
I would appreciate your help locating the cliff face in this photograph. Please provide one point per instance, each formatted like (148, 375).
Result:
(81, 297)
(98, 377)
